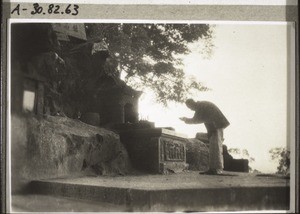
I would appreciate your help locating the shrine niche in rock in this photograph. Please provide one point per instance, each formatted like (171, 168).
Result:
(102, 98)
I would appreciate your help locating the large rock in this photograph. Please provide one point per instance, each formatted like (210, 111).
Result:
(197, 155)
(58, 147)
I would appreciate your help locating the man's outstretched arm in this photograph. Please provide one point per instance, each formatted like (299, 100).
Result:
(190, 120)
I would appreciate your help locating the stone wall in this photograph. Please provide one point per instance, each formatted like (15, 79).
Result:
(55, 146)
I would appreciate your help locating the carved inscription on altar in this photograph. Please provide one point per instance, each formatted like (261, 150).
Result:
(172, 150)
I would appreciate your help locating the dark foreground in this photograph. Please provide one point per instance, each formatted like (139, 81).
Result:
(187, 191)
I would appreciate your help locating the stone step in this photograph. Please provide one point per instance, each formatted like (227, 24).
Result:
(30, 203)
(176, 192)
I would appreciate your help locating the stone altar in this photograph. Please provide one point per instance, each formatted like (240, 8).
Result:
(155, 150)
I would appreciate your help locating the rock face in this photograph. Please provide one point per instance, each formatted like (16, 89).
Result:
(197, 155)
(57, 146)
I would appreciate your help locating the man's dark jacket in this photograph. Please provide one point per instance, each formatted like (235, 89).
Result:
(209, 114)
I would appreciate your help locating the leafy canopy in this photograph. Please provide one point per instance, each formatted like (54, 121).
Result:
(151, 55)
(282, 156)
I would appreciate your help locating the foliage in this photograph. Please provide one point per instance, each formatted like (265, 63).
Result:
(151, 55)
(241, 153)
(282, 156)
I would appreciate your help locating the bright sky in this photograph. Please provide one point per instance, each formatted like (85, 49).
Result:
(248, 77)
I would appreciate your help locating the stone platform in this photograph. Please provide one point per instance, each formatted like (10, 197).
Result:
(187, 191)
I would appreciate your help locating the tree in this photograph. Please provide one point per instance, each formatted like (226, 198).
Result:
(282, 156)
(151, 55)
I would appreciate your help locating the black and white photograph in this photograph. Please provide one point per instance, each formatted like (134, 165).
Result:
(120, 115)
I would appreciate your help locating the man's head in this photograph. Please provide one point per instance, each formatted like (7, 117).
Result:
(191, 104)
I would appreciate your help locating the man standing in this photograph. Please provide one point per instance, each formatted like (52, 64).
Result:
(215, 122)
